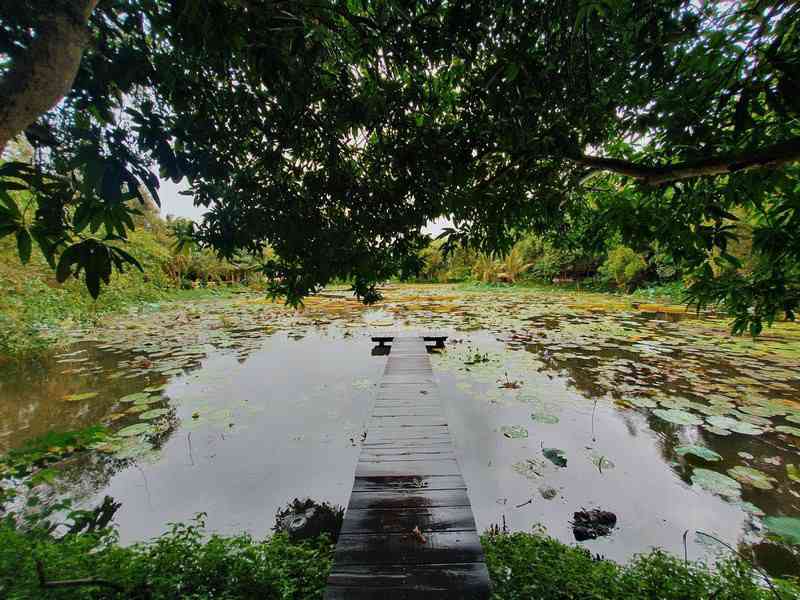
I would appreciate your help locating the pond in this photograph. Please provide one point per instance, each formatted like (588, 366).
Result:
(235, 407)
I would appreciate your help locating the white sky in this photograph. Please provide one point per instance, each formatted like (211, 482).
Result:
(172, 203)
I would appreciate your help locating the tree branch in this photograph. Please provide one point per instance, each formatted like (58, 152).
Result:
(70, 583)
(44, 73)
(773, 156)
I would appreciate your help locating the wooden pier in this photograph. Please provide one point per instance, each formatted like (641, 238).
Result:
(408, 531)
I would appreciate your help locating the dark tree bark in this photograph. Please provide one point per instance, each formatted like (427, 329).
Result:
(44, 73)
(772, 156)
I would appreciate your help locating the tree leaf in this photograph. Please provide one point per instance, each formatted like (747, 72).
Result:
(24, 245)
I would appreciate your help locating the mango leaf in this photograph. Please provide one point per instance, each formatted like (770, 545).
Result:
(24, 245)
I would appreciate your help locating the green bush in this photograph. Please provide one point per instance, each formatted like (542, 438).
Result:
(525, 566)
(184, 563)
(622, 267)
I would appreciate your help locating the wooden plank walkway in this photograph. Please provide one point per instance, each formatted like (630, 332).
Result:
(408, 477)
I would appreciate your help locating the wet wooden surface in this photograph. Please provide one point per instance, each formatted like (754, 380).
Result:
(408, 479)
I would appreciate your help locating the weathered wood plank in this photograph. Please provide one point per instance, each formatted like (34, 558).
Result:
(414, 468)
(409, 482)
(399, 548)
(382, 458)
(400, 499)
(407, 451)
(404, 520)
(410, 410)
(408, 478)
(406, 421)
(421, 577)
(405, 593)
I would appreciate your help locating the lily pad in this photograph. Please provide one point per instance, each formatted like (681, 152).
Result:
(699, 451)
(732, 424)
(641, 402)
(153, 414)
(514, 431)
(529, 468)
(787, 528)
(137, 429)
(716, 482)
(763, 411)
(134, 397)
(544, 418)
(752, 477)
(751, 508)
(148, 400)
(79, 397)
(555, 456)
(795, 431)
(677, 416)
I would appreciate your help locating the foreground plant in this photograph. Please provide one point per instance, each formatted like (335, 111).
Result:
(185, 562)
(525, 566)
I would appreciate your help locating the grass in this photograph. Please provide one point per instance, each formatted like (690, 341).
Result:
(187, 563)
(35, 309)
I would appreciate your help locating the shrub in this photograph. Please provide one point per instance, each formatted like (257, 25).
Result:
(622, 267)
(183, 563)
(524, 565)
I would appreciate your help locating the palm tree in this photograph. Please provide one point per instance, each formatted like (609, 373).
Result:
(513, 265)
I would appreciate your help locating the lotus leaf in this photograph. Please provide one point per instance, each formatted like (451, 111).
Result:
(514, 431)
(555, 456)
(716, 482)
(787, 528)
(154, 414)
(699, 451)
(134, 397)
(679, 417)
(544, 418)
(752, 477)
(137, 429)
(79, 397)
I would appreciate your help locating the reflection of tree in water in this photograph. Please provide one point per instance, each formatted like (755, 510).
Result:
(78, 479)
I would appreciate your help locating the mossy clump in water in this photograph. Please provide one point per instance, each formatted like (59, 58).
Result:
(307, 519)
(524, 565)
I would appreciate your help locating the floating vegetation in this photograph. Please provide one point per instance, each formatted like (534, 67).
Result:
(752, 477)
(514, 431)
(716, 482)
(555, 456)
(787, 528)
(576, 368)
(545, 418)
(82, 396)
(698, 451)
(677, 416)
(137, 429)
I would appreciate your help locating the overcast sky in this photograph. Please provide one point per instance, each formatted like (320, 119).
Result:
(172, 203)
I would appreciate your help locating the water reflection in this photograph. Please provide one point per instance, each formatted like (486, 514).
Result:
(233, 408)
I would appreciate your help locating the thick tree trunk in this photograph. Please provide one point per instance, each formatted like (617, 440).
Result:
(45, 72)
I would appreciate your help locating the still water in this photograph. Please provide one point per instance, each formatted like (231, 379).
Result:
(233, 408)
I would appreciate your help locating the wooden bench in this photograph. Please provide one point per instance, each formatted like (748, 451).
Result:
(382, 340)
